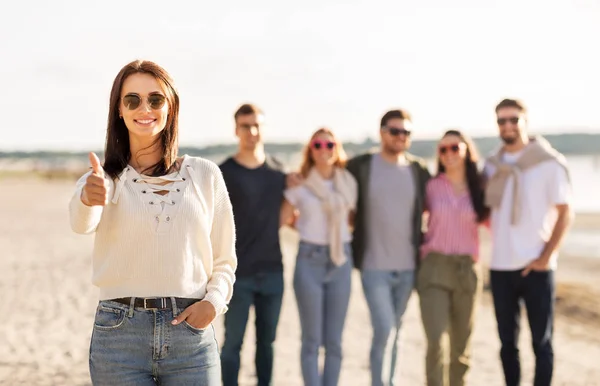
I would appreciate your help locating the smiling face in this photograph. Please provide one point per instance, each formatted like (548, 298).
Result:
(452, 152)
(322, 149)
(143, 106)
(395, 135)
(511, 125)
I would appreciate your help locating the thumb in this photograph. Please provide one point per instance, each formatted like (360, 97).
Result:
(526, 271)
(95, 162)
(183, 316)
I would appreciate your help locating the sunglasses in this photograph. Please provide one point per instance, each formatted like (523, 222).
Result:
(247, 126)
(395, 131)
(513, 120)
(454, 148)
(133, 101)
(318, 144)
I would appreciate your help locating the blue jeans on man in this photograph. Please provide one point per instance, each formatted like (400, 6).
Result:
(265, 292)
(387, 294)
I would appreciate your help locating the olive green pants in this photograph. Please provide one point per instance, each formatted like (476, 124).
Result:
(448, 286)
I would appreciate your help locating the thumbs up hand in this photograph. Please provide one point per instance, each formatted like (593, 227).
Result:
(95, 191)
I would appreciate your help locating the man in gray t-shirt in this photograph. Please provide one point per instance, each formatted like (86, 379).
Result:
(390, 207)
(387, 235)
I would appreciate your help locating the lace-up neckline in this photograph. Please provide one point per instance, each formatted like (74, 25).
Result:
(153, 185)
(146, 249)
(162, 207)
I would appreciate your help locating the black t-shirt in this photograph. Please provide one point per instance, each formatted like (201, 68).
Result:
(256, 196)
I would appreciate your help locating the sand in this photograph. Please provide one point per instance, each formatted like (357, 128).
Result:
(48, 306)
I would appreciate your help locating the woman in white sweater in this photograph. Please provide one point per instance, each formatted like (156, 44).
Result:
(324, 201)
(164, 252)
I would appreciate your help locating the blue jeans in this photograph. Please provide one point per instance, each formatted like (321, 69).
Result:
(322, 293)
(265, 292)
(537, 290)
(387, 294)
(140, 347)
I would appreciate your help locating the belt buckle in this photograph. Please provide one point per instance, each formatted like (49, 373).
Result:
(163, 303)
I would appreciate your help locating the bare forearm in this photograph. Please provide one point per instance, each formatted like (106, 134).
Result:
(287, 214)
(563, 223)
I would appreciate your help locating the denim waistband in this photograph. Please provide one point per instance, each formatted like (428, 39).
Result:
(319, 246)
(174, 304)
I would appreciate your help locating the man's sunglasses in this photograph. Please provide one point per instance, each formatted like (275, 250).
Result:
(454, 148)
(133, 101)
(247, 126)
(502, 121)
(318, 144)
(395, 131)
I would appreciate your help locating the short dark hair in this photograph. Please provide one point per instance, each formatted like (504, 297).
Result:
(395, 114)
(511, 103)
(247, 109)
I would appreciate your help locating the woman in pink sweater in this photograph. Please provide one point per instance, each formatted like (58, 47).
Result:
(448, 280)
(164, 254)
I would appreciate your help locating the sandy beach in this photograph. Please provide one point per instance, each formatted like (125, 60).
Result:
(48, 307)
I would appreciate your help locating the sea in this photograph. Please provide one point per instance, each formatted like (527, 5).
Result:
(584, 172)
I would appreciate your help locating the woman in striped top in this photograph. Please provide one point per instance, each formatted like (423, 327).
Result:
(448, 280)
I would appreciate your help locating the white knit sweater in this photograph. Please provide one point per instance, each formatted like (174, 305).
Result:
(181, 244)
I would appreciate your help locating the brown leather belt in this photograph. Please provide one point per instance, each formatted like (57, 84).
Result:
(157, 303)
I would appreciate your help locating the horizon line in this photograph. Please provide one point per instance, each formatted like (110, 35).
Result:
(271, 143)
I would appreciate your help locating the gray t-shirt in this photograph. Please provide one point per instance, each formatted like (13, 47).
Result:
(389, 217)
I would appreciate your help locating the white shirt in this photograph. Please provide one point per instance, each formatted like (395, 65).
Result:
(542, 187)
(312, 222)
(181, 244)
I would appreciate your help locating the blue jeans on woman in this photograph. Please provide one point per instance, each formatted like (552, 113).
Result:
(138, 347)
(322, 293)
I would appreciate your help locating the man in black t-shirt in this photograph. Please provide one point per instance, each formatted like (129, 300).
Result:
(255, 182)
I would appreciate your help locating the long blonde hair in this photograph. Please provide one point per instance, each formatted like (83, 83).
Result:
(308, 162)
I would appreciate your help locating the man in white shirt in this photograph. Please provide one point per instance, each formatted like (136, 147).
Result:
(529, 193)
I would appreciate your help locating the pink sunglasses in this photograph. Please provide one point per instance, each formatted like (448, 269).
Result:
(320, 144)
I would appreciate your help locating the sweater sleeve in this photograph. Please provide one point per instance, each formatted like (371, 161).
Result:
(84, 219)
(220, 283)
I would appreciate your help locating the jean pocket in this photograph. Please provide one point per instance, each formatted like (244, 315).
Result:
(306, 251)
(197, 331)
(348, 251)
(108, 318)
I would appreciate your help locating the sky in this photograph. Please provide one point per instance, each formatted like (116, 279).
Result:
(306, 64)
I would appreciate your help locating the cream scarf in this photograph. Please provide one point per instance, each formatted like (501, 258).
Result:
(336, 204)
(539, 150)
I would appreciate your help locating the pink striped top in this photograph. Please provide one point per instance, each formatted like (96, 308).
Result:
(452, 227)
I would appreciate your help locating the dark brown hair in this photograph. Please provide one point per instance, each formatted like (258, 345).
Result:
(246, 109)
(117, 153)
(512, 103)
(307, 160)
(395, 114)
(475, 179)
